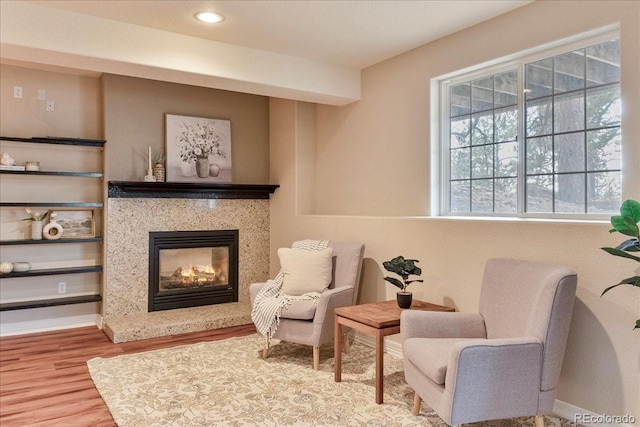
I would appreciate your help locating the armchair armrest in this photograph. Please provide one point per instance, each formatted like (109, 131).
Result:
(332, 299)
(435, 324)
(254, 288)
(483, 371)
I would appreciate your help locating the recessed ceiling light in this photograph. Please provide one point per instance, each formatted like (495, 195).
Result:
(209, 17)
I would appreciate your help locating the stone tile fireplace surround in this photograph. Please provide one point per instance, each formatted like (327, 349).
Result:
(129, 219)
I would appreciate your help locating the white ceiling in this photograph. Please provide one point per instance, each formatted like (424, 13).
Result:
(348, 33)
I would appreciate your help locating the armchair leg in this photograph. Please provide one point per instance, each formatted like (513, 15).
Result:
(417, 400)
(316, 357)
(265, 350)
(538, 421)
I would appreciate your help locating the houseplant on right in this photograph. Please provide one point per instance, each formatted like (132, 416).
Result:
(627, 223)
(403, 268)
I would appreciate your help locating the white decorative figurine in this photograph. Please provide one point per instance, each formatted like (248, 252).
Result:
(53, 230)
(7, 160)
(6, 267)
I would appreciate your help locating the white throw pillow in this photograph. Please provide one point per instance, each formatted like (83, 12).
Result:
(305, 270)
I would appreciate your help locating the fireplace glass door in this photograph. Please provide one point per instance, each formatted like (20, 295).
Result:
(189, 268)
(192, 268)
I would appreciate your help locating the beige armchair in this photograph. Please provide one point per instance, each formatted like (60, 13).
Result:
(502, 362)
(311, 322)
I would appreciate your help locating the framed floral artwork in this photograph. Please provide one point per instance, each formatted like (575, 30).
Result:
(198, 149)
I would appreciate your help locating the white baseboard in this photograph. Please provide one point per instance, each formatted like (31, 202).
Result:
(583, 416)
(45, 325)
(560, 408)
(394, 348)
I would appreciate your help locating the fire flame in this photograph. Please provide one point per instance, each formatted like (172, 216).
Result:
(192, 275)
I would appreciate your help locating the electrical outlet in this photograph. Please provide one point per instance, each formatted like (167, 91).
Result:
(17, 91)
(42, 95)
(62, 287)
(51, 106)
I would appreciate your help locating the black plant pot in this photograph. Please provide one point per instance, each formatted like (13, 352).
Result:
(404, 299)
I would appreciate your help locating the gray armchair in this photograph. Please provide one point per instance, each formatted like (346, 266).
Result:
(502, 362)
(311, 322)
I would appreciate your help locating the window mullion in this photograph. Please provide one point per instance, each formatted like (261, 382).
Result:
(553, 135)
(522, 178)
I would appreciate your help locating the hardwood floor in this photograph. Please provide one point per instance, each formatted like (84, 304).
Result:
(44, 380)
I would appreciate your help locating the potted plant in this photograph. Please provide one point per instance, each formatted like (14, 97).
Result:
(403, 268)
(36, 219)
(627, 224)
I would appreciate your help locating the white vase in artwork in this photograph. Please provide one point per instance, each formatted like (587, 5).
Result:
(36, 230)
(187, 169)
(202, 167)
(214, 169)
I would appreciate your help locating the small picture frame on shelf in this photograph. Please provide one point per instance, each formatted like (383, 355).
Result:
(76, 223)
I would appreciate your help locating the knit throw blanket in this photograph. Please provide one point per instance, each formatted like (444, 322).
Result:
(269, 303)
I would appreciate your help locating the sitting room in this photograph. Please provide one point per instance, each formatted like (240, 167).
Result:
(160, 176)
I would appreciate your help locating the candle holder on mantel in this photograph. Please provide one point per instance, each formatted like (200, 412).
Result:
(149, 176)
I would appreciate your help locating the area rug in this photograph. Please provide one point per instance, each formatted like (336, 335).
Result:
(227, 383)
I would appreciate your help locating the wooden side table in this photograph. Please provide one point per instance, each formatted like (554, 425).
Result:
(378, 319)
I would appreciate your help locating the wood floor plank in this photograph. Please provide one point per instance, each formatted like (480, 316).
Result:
(44, 379)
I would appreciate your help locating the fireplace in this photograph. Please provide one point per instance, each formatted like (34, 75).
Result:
(192, 268)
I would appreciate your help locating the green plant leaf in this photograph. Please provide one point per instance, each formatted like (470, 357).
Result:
(396, 265)
(623, 254)
(624, 225)
(637, 325)
(395, 282)
(633, 281)
(631, 209)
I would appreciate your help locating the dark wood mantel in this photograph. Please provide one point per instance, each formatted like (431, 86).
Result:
(185, 190)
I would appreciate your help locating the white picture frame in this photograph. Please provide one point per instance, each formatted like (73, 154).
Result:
(198, 149)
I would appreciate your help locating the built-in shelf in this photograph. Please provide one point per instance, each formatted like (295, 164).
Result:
(52, 271)
(50, 242)
(53, 204)
(56, 173)
(185, 190)
(55, 182)
(58, 141)
(82, 299)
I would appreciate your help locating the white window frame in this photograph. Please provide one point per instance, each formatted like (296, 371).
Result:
(441, 164)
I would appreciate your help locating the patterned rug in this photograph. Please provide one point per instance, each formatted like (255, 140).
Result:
(227, 383)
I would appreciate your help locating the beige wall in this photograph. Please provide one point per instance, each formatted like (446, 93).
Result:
(76, 99)
(134, 112)
(372, 173)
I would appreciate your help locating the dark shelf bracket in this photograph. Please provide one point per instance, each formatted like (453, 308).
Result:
(82, 299)
(52, 271)
(53, 204)
(50, 242)
(58, 141)
(56, 173)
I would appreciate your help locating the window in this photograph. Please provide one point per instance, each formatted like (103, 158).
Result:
(539, 136)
